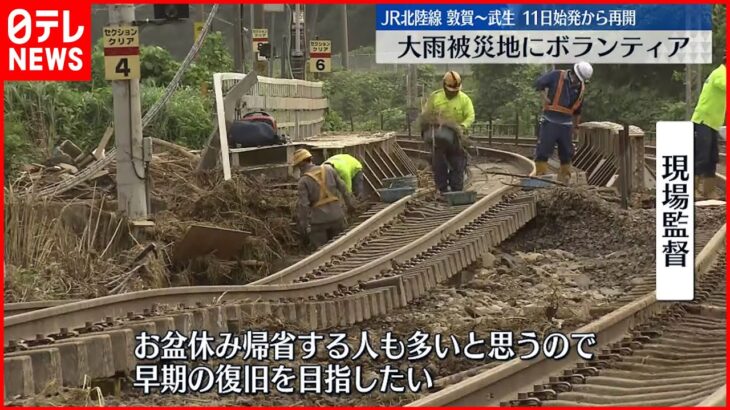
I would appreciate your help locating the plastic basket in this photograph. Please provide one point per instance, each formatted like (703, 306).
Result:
(461, 197)
(391, 195)
(408, 181)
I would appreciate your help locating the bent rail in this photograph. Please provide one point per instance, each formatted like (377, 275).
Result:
(45, 321)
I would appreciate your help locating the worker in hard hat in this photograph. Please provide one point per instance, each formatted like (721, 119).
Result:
(320, 214)
(563, 92)
(708, 118)
(350, 171)
(445, 119)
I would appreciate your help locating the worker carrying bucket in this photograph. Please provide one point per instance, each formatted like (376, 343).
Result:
(447, 116)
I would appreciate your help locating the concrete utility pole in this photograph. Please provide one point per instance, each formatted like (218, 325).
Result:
(272, 39)
(688, 78)
(345, 40)
(250, 32)
(238, 40)
(131, 172)
(298, 31)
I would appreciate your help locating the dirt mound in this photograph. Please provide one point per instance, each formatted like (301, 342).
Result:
(586, 221)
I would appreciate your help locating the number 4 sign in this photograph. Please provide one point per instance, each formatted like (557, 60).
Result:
(121, 53)
(320, 56)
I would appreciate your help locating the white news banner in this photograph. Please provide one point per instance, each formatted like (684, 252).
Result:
(675, 266)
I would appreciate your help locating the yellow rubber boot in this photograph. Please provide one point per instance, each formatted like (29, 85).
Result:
(541, 167)
(564, 173)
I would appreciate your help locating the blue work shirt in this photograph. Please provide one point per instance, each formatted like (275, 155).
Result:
(571, 91)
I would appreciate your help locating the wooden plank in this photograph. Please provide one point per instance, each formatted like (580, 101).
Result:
(99, 151)
(201, 240)
(209, 156)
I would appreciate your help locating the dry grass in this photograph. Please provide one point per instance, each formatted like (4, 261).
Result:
(76, 246)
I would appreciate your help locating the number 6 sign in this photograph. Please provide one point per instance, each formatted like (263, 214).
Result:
(320, 56)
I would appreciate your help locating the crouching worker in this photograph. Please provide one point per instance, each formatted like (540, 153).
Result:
(446, 117)
(350, 170)
(320, 213)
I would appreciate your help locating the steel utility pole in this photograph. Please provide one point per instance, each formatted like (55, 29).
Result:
(345, 40)
(131, 172)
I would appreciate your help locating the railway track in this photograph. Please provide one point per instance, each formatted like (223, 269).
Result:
(651, 353)
(401, 252)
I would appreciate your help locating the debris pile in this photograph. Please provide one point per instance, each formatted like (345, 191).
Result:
(75, 246)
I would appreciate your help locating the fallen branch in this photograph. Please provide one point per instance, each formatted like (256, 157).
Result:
(252, 262)
(524, 176)
(182, 150)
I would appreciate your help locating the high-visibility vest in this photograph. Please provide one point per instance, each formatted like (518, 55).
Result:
(346, 166)
(555, 104)
(325, 196)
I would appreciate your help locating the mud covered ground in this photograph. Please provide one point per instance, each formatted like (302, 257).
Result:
(581, 251)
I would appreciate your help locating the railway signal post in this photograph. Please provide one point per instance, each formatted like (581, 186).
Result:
(122, 68)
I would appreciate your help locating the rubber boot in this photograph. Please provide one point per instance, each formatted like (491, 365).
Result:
(708, 188)
(541, 167)
(564, 173)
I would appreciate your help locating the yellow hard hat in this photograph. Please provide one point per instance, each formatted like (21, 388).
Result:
(299, 156)
(452, 81)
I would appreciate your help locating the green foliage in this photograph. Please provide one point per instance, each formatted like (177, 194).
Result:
(17, 148)
(361, 97)
(39, 115)
(212, 58)
(186, 120)
(157, 65)
(333, 122)
(718, 33)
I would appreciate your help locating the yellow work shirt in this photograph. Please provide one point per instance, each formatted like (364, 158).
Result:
(458, 109)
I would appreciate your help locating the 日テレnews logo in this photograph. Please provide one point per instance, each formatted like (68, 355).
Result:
(45, 42)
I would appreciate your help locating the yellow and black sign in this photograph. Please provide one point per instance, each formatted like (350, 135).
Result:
(320, 56)
(121, 53)
(197, 28)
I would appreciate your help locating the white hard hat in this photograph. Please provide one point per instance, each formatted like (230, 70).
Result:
(584, 71)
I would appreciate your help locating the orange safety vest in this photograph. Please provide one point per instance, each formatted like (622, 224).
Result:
(555, 104)
(325, 196)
